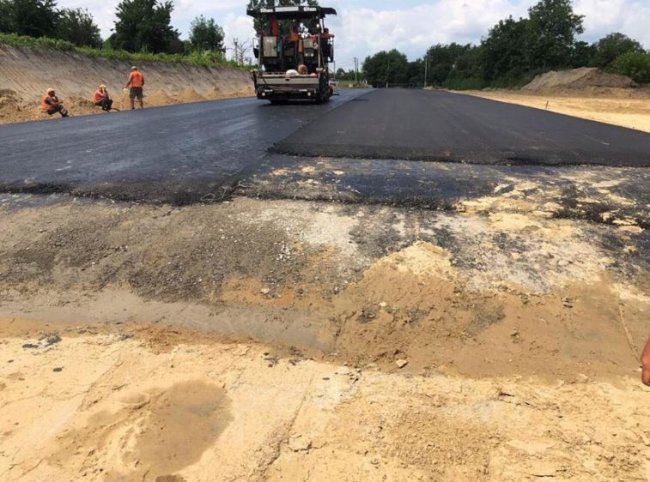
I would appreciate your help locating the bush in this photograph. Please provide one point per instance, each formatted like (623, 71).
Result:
(204, 59)
(44, 42)
(466, 84)
(635, 65)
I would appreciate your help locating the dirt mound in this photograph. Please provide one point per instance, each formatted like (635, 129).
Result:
(9, 103)
(25, 73)
(582, 78)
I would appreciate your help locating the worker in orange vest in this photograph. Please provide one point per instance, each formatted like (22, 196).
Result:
(135, 82)
(51, 104)
(102, 99)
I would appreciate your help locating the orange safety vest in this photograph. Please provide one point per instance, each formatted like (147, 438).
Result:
(99, 95)
(45, 102)
(136, 78)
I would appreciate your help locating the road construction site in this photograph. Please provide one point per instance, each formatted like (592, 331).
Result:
(225, 300)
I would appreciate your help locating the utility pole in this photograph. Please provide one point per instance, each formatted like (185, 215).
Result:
(387, 72)
(356, 71)
(426, 69)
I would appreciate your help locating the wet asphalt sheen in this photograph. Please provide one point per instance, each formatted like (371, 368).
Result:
(183, 153)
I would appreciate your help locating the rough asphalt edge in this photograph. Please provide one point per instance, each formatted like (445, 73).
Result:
(505, 158)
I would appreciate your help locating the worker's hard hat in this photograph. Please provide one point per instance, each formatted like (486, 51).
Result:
(134, 68)
(102, 86)
(49, 90)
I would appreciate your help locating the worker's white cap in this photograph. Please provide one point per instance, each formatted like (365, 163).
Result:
(49, 90)
(134, 68)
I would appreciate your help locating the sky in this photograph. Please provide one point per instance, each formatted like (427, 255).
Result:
(364, 27)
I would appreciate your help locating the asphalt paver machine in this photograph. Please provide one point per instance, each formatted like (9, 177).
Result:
(293, 50)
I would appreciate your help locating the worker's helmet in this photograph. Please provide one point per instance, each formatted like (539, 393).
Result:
(50, 90)
(134, 68)
(102, 86)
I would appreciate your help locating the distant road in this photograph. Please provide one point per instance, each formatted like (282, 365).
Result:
(184, 152)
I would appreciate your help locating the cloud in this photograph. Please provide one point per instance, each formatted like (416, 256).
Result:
(239, 27)
(606, 16)
(363, 31)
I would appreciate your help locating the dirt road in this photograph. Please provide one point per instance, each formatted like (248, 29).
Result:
(486, 344)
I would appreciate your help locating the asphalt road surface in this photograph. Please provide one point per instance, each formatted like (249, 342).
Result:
(161, 153)
(193, 152)
(442, 126)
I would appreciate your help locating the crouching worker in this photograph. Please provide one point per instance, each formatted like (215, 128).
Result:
(102, 99)
(51, 104)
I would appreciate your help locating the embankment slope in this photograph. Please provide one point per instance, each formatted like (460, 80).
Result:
(26, 72)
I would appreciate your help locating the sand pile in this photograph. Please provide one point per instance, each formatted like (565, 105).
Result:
(582, 78)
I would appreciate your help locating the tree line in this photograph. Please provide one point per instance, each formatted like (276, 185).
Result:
(140, 26)
(512, 53)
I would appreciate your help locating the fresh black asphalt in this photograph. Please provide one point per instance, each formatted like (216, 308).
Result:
(174, 154)
(442, 126)
(203, 151)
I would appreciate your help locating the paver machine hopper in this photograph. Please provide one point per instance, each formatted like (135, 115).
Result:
(293, 50)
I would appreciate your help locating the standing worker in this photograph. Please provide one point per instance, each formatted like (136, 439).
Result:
(51, 104)
(135, 82)
(102, 99)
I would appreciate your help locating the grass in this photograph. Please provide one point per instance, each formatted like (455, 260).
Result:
(202, 59)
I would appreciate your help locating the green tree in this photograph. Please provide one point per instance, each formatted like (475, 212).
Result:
(341, 74)
(505, 51)
(386, 68)
(583, 54)
(415, 73)
(145, 26)
(442, 59)
(77, 26)
(34, 18)
(635, 65)
(205, 34)
(467, 71)
(553, 27)
(6, 17)
(612, 47)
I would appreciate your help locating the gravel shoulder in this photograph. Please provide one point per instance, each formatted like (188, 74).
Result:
(622, 107)
(140, 403)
